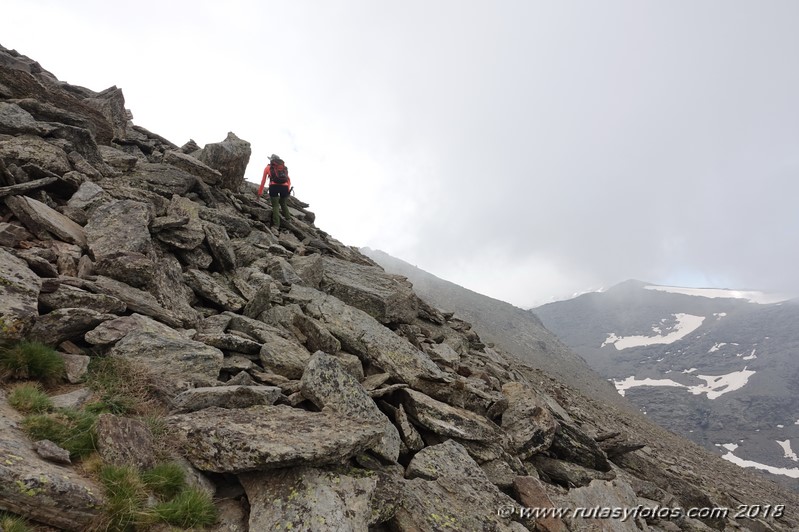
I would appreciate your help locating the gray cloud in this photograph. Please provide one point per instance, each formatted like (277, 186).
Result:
(528, 150)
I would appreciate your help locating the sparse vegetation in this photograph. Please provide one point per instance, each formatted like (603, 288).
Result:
(11, 523)
(190, 508)
(126, 498)
(31, 360)
(28, 398)
(123, 388)
(128, 491)
(73, 430)
(165, 480)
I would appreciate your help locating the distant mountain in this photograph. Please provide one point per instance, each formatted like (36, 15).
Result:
(512, 329)
(720, 367)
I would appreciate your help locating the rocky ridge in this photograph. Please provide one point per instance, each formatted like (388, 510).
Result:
(309, 389)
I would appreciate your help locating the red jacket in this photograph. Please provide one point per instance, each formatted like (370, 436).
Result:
(267, 174)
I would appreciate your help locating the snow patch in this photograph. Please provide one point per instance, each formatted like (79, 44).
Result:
(752, 296)
(632, 382)
(786, 448)
(752, 355)
(686, 324)
(792, 472)
(716, 347)
(714, 386)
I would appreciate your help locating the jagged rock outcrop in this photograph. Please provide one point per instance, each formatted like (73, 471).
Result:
(316, 391)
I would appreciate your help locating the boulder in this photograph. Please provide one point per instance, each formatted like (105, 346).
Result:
(193, 166)
(574, 445)
(361, 334)
(120, 226)
(602, 496)
(75, 367)
(305, 498)
(447, 420)
(387, 298)
(124, 441)
(283, 356)
(111, 331)
(328, 385)
(268, 437)
(25, 149)
(410, 436)
(567, 473)
(12, 234)
(447, 490)
(230, 158)
(225, 397)
(530, 493)
(19, 294)
(205, 286)
(66, 324)
(41, 220)
(66, 296)
(527, 421)
(221, 248)
(181, 363)
(14, 120)
(230, 342)
(136, 300)
(51, 452)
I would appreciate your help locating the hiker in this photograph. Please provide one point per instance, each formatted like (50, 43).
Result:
(279, 188)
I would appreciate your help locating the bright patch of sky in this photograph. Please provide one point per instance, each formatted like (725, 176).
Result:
(686, 324)
(752, 296)
(715, 386)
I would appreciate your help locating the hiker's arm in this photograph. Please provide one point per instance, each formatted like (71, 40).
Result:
(263, 181)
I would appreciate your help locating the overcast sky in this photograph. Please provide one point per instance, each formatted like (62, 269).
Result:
(528, 150)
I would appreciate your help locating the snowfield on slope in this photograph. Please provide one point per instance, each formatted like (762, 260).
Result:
(715, 385)
(686, 324)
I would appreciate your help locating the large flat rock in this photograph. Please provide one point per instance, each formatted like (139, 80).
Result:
(267, 437)
(181, 363)
(41, 219)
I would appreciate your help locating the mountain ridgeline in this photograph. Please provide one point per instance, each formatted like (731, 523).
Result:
(300, 385)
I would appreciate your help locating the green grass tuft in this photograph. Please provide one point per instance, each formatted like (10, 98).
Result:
(11, 523)
(28, 397)
(31, 360)
(189, 509)
(126, 497)
(72, 430)
(165, 480)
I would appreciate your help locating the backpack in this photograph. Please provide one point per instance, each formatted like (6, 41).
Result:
(279, 175)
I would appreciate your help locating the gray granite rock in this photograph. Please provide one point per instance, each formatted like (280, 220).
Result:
(269, 437)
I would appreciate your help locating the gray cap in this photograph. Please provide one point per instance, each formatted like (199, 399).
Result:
(274, 157)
